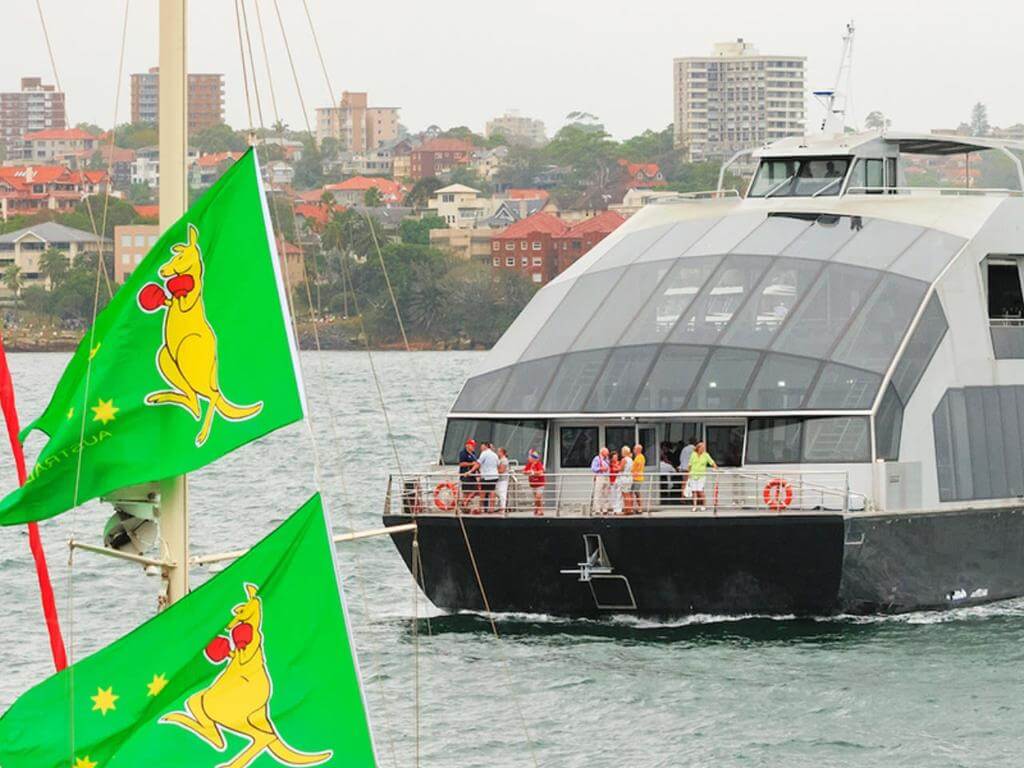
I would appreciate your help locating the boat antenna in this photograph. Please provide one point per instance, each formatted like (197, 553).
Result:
(835, 99)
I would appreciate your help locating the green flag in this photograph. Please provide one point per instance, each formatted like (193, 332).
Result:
(193, 357)
(254, 668)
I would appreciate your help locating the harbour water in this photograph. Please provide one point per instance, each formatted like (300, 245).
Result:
(920, 690)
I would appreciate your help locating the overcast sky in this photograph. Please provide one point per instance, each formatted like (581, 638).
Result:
(454, 62)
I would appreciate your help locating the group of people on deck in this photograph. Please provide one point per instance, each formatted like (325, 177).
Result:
(484, 477)
(618, 480)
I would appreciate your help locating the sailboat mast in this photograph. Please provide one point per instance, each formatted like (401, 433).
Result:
(173, 116)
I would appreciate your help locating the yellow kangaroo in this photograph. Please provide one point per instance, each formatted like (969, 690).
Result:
(238, 700)
(188, 358)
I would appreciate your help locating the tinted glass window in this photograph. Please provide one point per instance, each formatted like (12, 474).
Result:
(631, 247)
(671, 379)
(479, 393)
(789, 177)
(621, 306)
(616, 437)
(771, 237)
(622, 376)
(577, 446)
(573, 381)
(723, 237)
(782, 383)
(872, 340)
(668, 301)
(920, 348)
(576, 310)
(826, 235)
(843, 388)
(878, 243)
(774, 441)
(784, 284)
(888, 423)
(830, 306)
(526, 385)
(926, 257)
(724, 381)
(518, 437)
(678, 240)
(706, 318)
(836, 439)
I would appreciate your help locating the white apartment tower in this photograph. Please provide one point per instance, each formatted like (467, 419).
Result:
(735, 99)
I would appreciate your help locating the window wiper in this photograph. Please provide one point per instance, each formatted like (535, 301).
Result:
(779, 186)
(828, 186)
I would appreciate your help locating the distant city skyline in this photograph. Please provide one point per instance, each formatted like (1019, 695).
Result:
(457, 63)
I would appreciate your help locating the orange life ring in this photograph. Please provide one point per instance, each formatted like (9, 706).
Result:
(778, 494)
(452, 496)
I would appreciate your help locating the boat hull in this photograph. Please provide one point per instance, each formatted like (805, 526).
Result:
(674, 566)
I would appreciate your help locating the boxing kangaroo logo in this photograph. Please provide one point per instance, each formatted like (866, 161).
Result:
(187, 360)
(238, 700)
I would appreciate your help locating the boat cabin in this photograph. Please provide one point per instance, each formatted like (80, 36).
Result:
(832, 325)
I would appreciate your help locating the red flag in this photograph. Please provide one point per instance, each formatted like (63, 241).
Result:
(60, 659)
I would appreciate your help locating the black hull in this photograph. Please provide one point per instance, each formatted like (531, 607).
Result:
(808, 564)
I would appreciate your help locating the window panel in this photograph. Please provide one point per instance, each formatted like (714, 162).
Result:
(844, 388)
(827, 310)
(888, 425)
(726, 233)
(774, 441)
(927, 256)
(622, 376)
(631, 247)
(517, 437)
(785, 283)
(878, 243)
(526, 385)
(920, 348)
(772, 236)
(621, 305)
(616, 437)
(671, 378)
(724, 381)
(576, 310)
(573, 381)
(520, 334)
(479, 392)
(838, 439)
(669, 299)
(677, 240)
(577, 446)
(826, 235)
(782, 383)
(872, 340)
(707, 317)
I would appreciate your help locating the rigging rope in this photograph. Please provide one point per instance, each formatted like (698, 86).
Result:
(245, 73)
(266, 61)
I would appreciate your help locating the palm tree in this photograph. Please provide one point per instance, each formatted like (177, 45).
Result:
(279, 127)
(53, 264)
(12, 279)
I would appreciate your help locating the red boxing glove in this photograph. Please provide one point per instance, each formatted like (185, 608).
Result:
(152, 297)
(242, 635)
(218, 649)
(180, 285)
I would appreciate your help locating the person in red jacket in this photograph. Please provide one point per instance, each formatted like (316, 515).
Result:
(534, 470)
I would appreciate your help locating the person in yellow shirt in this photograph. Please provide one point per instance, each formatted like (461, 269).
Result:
(700, 460)
(639, 464)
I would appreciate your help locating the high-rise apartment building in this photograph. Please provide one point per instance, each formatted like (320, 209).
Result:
(205, 99)
(36, 107)
(736, 98)
(517, 129)
(358, 127)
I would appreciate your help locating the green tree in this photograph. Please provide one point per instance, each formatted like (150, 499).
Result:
(309, 171)
(521, 167)
(876, 121)
(54, 265)
(96, 209)
(465, 134)
(372, 198)
(92, 128)
(463, 174)
(421, 191)
(417, 231)
(979, 120)
(136, 135)
(140, 193)
(13, 281)
(702, 177)
(36, 299)
(219, 138)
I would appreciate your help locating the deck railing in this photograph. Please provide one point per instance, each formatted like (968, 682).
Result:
(583, 495)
